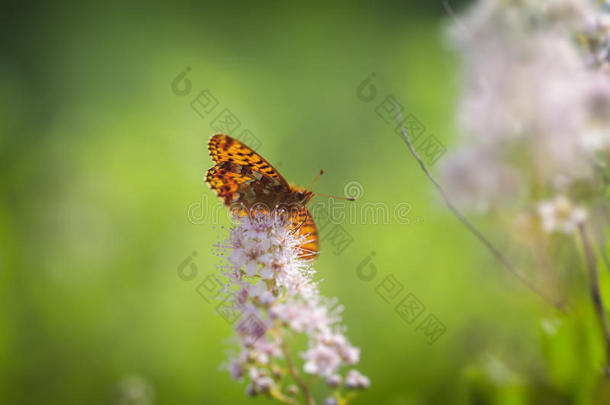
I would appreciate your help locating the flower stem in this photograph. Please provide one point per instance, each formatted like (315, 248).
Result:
(486, 242)
(276, 394)
(295, 374)
(595, 290)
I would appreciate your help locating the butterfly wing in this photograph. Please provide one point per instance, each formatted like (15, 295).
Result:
(226, 179)
(243, 187)
(243, 177)
(301, 223)
(223, 148)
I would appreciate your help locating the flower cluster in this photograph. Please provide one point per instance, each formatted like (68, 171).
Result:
(561, 215)
(534, 147)
(273, 288)
(535, 106)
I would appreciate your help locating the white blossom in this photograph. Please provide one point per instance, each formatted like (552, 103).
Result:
(535, 101)
(333, 380)
(321, 360)
(355, 380)
(561, 215)
(279, 298)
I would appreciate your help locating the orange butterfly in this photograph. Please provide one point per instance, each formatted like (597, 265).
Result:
(243, 178)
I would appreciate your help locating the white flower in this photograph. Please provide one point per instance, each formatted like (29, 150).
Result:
(330, 401)
(236, 370)
(334, 380)
(260, 382)
(263, 351)
(561, 215)
(350, 354)
(257, 289)
(279, 298)
(251, 268)
(535, 101)
(321, 360)
(570, 11)
(266, 298)
(355, 380)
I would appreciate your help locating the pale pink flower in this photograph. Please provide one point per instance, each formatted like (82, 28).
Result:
(321, 360)
(279, 298)
(355, 380)
(535, 101)
(561, 215)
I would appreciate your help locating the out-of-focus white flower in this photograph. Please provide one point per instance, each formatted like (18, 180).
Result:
(260, 381)
(333, 380)
(355, 380)
(572, 12)
(275, 290)
(321, 360)
(331, 401)
(236, 369)
(350, 354)
(561, 215)
(535, 102)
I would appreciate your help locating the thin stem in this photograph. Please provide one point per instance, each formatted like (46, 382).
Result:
(604, 256)
(595, 290)
(296, 376)
(276, 394)
(495, 251)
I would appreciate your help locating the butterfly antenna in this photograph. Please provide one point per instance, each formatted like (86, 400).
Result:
(335, 197)
(314, 180)
(324, 195)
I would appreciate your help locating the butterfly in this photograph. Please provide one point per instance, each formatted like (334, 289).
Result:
(243, 178)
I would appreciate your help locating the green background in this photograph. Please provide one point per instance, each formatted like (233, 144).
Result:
(101, 160)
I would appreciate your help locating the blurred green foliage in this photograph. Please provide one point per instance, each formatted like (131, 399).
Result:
(101, 160)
